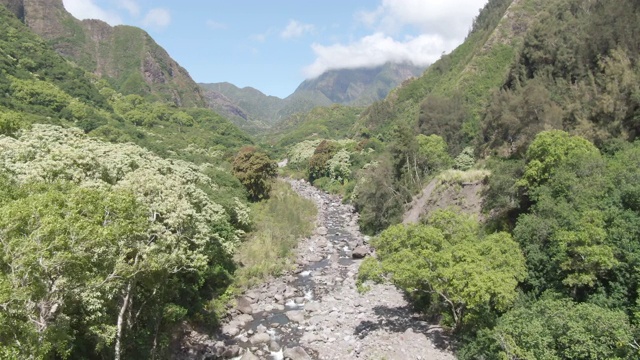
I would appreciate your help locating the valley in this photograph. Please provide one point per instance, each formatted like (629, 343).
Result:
(486, 206)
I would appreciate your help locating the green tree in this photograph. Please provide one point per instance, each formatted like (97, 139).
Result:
(10, 122)
(433, 153)
(468, 273)
(561, 329)
(549, 150)
(255, 171)
(465, 160)
(71, 261)
(318, 167)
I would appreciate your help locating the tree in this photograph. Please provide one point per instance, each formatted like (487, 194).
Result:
(433, 153)
(255, 171)
(10, 122)
(561, 329)
(155, 276)
(376, 198)
(71, 261)
(465, 160)
(318, 162)
(549, 150)
(449, 258)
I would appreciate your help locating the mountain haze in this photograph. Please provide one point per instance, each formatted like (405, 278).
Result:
(125, 55)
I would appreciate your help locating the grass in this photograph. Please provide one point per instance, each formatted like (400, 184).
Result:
(279, 223)
(452, 176)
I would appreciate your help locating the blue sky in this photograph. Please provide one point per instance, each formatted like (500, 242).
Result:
(273, 45)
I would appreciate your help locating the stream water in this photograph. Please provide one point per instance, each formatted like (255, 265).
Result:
(326, 257)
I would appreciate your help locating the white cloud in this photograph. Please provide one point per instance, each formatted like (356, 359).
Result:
(131, 6)
(87, 9)
(157, 17)
(296, 29)
(214, 25)
(374, 50)
(451, 19)
(438, 26)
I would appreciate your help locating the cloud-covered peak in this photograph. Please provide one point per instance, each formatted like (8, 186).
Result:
(416, 31)
(375, 50)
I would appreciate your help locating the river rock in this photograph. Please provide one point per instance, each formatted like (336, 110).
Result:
(322, 231)
(274, 346)
(295, 315)
(261, 338)
(231, 329)
(312, 306)
(244, 319)
(296, 353)
(231, 352)
(360, 252)
(243, 304)
(249, 356)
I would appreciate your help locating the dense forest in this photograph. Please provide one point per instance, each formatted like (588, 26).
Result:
(541, 105)
(122, 219)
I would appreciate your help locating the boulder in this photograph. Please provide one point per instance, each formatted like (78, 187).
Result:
(312, 306)
(249, 356)
(322, 231)
(243, 319)
(296, 353)
(231, 352)
(295, 316)
(230, 329)
(274, 346)
(261, 338)
(243, 304)
(360, 252)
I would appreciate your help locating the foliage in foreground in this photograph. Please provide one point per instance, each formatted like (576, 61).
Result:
(106, 247)
(449, 262)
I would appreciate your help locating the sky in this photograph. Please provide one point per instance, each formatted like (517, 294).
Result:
(273, 45)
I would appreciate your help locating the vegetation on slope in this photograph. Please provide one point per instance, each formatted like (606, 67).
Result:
(552, 113)
(107, 247)
(127, 56)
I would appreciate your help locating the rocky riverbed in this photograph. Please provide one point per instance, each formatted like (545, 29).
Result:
(316, 311)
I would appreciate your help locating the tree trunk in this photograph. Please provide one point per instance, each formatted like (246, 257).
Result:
(122, 320)
(123, 311)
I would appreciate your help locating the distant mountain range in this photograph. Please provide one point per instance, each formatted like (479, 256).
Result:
(133, 63)
(249, 107)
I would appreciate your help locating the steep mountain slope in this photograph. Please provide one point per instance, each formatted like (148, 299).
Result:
(361, 86)
(527, 66)
(448, 98)
(249, 107)
(37, 85)
(132, 61)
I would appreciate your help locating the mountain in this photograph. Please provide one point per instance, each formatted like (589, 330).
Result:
(246, 107)
(527, 66)
(360, 86)
(250, 108)
(127, 56)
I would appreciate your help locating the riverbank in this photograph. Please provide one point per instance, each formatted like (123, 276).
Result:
(316, 312)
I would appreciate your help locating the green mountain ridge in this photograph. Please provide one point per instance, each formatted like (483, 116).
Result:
(132, 61)
(353, 87)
